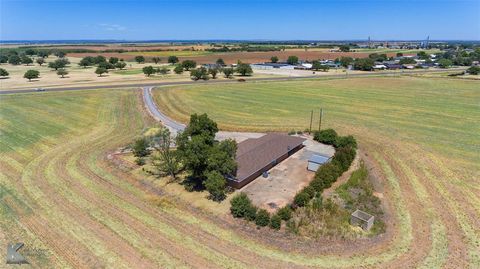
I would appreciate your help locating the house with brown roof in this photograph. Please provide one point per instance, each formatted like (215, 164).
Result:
(257, 155)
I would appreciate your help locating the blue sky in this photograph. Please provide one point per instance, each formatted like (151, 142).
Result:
(261, 19)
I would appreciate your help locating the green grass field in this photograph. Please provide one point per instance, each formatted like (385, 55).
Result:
(423, 133)
(439, 113)
(61, 195)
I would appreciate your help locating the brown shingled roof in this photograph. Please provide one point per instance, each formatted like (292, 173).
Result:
(256, 153)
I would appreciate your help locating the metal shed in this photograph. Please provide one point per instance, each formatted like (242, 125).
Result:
(362, 219)
(316, 161)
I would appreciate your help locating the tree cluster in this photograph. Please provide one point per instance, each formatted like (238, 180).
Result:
(150, 70)
(365, 64)
(207, 160)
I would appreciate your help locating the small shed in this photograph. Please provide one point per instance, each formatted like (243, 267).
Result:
(316, 161)
(362, 219)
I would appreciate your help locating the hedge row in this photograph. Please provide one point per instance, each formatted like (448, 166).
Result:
(330, 137)
(328, 173)
(241, 207)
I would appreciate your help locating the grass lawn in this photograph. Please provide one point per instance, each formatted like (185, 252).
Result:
(422, 133)
(128, 72)
(428, 111)
(60, 192)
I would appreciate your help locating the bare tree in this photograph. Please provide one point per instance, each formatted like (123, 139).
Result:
(165, 159)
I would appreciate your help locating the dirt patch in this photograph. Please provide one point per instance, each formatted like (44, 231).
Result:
(285, 179)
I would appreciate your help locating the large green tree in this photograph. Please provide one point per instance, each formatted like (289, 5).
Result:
(40, 61)
(292, 60)
(407, 60)
(113, 60)
(344, 48)
(3, 72)
(228, 72)
(14, 60)
(444, 63)
(59, 63)
(148, 70)
(100, 71)
(172, 59)
(346, 61)
(139, 59)
(244, 69)
(120, 65)
(31, 74)
(62, 72)
(189, 64)
(199, 73)
(365, 64)
(203, 156)
(274, 59)
(3, 59)
(220, 61)
(26, 60)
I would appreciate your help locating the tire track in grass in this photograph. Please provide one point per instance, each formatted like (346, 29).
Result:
(85, 186)
(81, 240)
(89, 215)
(138, 203)
(472, 235)
(110, 138)
(439, 252)
(172, 230)
(461, 218)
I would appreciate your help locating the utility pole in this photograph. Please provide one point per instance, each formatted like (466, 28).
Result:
(311, 120)
(320, 121)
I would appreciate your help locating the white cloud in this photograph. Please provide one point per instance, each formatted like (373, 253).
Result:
(112, 27)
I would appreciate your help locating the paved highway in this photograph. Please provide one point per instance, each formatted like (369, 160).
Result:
(118, 86)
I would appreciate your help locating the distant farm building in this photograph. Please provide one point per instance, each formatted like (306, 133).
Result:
(316, 161)
(257, 155)
(266, 66)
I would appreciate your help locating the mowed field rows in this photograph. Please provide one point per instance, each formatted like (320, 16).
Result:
(62, 197)
(422, 134)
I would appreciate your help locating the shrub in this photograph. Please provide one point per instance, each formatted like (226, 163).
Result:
(276, 222)
(310, 191)
(285, 213)
(317, 184)
(301, 199)
(292, 227)
(346, 141)
(344, 157)
(327, 136)
(251, 213)
(140, 161)
(474, 70)
(317, 203)
(140, 148)
(262, 218)
(240, 205)
(178, 69)
(328, 173)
